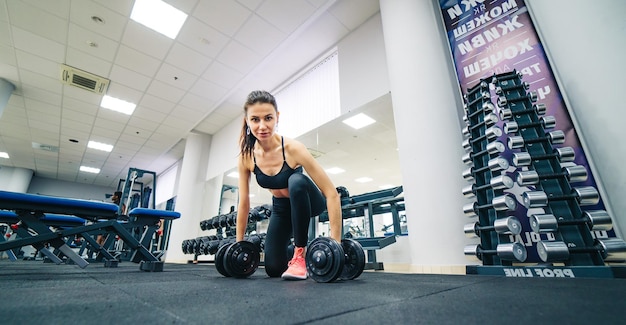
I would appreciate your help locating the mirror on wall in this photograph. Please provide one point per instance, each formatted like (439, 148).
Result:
(367, 156)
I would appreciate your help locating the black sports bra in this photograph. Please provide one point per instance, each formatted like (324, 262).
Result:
(278, 181)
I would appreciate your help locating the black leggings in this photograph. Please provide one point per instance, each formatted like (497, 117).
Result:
(290, 217)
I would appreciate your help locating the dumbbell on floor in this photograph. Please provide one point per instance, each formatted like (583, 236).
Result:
(327, 260)
(611, 250)
(595, 220)
(584, 195)
(239, 259)
(509, 251)
(506, 225)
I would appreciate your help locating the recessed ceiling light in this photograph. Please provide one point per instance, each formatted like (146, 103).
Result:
(358, 121)
(159, 16)
(335, 170)
(118, 105)
(363, 180)
(100, 146)
(233, 174)
(4, 155)
(89, 169)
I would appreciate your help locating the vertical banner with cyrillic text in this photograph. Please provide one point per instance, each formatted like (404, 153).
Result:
(491, 37)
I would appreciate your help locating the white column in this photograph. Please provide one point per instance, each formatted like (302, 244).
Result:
(190, 195)
(14, 179)
(426, 106)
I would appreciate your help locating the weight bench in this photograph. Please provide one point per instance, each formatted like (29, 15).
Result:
(30, 210)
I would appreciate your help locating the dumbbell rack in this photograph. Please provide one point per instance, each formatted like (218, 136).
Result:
(480, 119)
(519, 106)
(224, 226)
(526, 127)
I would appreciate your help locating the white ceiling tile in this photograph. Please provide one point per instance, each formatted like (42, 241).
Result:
(175, 77)
(123, 7)
(129, 78)
(41, 81)
(187, 114)
(91, 43)
(222, 75)
(165, 91)
(249, 36)
(208, 90)
(59, 8)
(111, 120)
(7, 52)
(4, 16)
(42, 110)
(12, 112)
(287, 15)
(147, 114)
(127, 147)
(187, 59)
(38, 45)
(82, 12)
(146, 40)
(202, 38)
(197, 103)
(137, 61)
(38, 64)
(42, 95)
(84, 61)
(82, 106)
(132, 139)
(77, 119)
(225, 16)
(250, 4)
(37, 21)
(238, 57)
(141, 125)
(16, 130)
(157, 104)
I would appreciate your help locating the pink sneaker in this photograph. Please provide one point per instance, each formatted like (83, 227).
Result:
(297, 266)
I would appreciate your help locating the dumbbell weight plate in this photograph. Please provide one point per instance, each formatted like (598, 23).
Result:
(241, 259)
(324, 259)
(354, 259)
(219, 260)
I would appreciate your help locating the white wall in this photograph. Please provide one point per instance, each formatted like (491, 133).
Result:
(15, 179)
(586, 41)
(363, 73)
(53, 187)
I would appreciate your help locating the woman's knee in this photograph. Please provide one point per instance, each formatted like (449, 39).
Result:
(297, 183)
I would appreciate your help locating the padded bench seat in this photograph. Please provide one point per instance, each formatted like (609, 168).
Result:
(56, 220)
(143, 213)
(49, 204)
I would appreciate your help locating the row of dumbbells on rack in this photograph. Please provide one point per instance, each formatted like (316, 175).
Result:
(488, 182)
(256, 214)
(209, 245)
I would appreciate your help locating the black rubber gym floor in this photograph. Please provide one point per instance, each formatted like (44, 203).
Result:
(34, 292)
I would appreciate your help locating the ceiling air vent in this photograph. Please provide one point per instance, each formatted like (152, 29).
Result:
(45, 147)
(83, 79)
